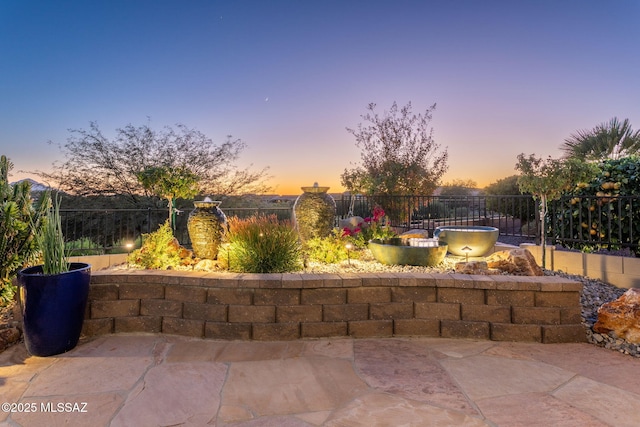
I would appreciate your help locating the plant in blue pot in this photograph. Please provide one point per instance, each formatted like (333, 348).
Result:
(53, 295)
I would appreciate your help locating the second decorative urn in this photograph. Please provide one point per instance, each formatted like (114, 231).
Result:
(314, 212)
(206, 226)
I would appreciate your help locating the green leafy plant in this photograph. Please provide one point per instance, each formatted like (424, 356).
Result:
(20, 217)
(169, 183)
(614, 140)
(598, 210)
(375, 226)
(51, 240)
(160, 250)
(500, 199)
(332, 249)
(547, 179)
(261, 244)
(83, 246)
(432, 209)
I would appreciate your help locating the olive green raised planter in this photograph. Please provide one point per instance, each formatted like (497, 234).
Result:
(394, 252)
(473, 240)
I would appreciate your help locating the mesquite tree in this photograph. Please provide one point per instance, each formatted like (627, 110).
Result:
(399, 155)
(547, 179)
(97, 165)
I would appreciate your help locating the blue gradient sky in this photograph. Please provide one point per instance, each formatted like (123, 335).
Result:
(287, 77)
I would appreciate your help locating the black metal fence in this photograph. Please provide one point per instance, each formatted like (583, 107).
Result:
(513, 215)
(101, 231)
(574, 222)
(591, 223)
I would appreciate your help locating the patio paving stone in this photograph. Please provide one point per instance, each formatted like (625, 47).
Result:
(160, 380)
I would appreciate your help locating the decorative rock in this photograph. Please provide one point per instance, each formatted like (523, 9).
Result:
(206, 265)
(621, 317)
(475, 267)
(8, 336)
(519, 262)
(184, 253)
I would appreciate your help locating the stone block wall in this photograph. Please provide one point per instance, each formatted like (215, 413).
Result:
(294, 306)
(623, 272)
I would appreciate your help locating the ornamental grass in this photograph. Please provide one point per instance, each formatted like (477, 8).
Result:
(261, 244)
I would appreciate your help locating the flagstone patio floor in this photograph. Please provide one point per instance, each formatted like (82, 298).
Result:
(165, 380)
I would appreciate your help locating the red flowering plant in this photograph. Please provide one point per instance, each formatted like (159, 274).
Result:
(375, 226)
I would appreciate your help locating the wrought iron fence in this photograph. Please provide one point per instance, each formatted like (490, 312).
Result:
(513, 215)
(102, 231)
(578, 222)
(592, 223)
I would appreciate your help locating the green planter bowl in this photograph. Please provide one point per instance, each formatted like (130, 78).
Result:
(394, 252)
(474, 241)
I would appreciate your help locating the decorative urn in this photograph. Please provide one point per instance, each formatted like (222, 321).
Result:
(206, 226)
(314, 212)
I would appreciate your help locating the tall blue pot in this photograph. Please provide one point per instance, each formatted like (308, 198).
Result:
(53, 308)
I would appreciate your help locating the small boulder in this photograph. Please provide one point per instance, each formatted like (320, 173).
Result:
(519, 262)
(621, 316)
(8, 336)
(206, 265)
(475, 267)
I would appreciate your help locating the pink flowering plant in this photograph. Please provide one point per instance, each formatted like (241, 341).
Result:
(375, 226)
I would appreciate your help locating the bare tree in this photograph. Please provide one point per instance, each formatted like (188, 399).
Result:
(399, 155)
(97, 165)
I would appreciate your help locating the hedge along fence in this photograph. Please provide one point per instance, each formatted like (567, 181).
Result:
(294, 306)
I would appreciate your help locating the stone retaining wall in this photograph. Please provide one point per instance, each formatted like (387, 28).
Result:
(293, 306)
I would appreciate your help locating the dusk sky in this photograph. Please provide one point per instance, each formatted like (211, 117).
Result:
(287, 77)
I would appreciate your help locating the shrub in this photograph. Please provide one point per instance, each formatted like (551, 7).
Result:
(261, 244)
(522, 208)
(331, 249)
(83, 246)
(160, 250)
(374, 227)
(432, 209)
(20, 220)
(598, 213)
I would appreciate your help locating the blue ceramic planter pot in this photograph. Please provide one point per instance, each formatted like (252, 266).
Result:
(53, 308)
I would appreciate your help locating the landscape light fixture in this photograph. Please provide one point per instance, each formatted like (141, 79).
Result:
(466, 250)
(348, 248)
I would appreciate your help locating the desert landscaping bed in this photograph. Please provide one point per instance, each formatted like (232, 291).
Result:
(357, 298)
